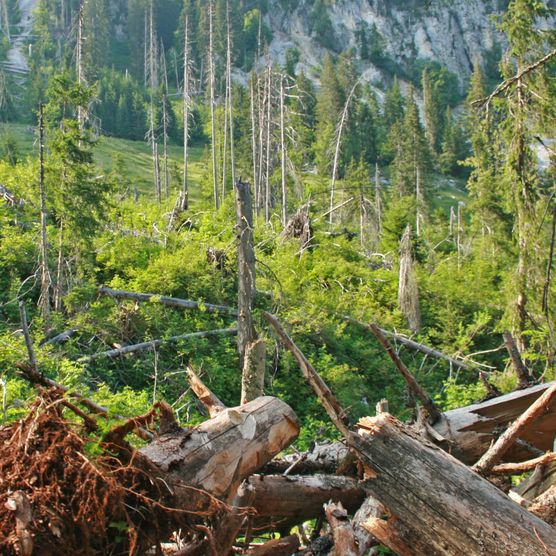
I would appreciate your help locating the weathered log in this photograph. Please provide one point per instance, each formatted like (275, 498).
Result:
(297, 498)
(144, 346)
(470, 430)
(18, 502)
(523, 423)
(169, 301)
(218, 454)
(452, 510)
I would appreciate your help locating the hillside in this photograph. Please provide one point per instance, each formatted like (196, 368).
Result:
(227, 226)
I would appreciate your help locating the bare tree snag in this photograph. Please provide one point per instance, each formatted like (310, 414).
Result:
(252, 381)
(414, 386)
(470, 430)
(505, 441)
(144, 346)
(27, 337)
(517, 363)
(452, 510)
(170, 301)
(285, 546)
(218, 454)
(210, 401)
(246, 268)
(321, 389)
(297, 498)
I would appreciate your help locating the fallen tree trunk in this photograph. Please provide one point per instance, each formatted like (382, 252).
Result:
(169, 301)
(218, 454)
(287, 501)
(144, 346)
(450, 508)
(470, 430)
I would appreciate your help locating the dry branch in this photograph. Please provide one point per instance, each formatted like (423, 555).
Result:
(434, 413)
(170, 301)
(144, 346)
(321, 389)
(505, 441)
(209, 400)
(522, 467)
(517, 363)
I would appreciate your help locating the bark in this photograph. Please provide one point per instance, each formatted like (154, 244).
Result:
(544, 506)
(521, 424)
(218, 454)
(345, 543)
(170, 301)
(144, 346)
(452, 510)
(470, 430)
(252, 383)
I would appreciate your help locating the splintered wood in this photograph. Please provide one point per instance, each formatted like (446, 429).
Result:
(451, 509)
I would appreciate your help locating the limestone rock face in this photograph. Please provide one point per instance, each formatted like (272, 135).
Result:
(454, 32)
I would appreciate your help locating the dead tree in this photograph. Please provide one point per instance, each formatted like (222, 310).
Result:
(408, 292)
(46, 281)
(212, 103)
(251, 350)
(186, 100)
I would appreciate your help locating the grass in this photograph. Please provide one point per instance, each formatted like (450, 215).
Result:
(136, 156)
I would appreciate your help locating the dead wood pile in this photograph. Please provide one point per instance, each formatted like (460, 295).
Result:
(67, 487)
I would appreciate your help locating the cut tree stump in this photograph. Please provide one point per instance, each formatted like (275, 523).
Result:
(218, 454)
(470, 430)
(451, 509)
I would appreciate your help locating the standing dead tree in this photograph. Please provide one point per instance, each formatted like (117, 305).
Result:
(408, 292)
(211, 77)
(46, 282)
(184, 202)
(251, 349)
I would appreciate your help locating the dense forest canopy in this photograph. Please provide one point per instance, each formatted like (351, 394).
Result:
(429, 195)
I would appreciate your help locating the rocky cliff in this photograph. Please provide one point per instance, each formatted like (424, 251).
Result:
(453, 33)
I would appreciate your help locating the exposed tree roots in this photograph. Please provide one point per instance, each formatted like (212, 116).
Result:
(66, 491)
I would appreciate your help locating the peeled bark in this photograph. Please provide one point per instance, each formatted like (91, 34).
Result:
(218, 454)
(252, 383)
(451, 509)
